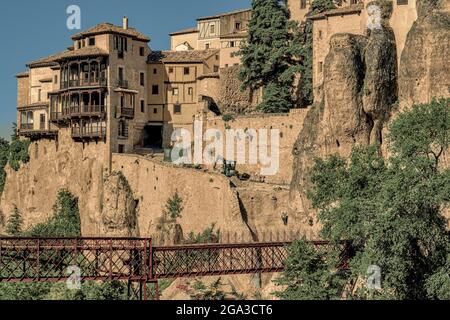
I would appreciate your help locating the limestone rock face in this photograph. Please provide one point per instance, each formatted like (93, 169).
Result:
(359, 90)
(343, 80)
(118, 215)
(56, 165)
(380, 81)
(425, 61)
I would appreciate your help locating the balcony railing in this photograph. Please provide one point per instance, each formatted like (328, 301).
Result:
(84, 83)
(122, 84)
(80, 111)
(127, 112)
(28, 130)
(81, 132)
(26, 126)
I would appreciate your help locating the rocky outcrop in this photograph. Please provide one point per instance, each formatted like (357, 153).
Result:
(425, 61)
(119, 216)
(380, 81)
(359, 91)
(56, 165)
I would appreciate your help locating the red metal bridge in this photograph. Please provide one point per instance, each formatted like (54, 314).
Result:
(134, 260)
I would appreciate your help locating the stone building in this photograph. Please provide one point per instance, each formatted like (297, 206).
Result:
(224, 31)
(182, 84)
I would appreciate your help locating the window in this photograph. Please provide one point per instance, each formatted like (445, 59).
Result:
(302, 4)
(142, 78)
(401, 2)
(190, 91)
(237, 26)
(121, 148)
(171, 70)
(216, 68)
(217, 57)
(141, 51)
(232, 44)
(175, 91)
(155, 110)
(120, 74)
(320, 66)
(207, 45)
(320, 34)
(186, 71)
(155, 89)
(142, 106)
(155, 71)
(213, 29)
(92, 41)
(39, 94)
(123, 129)
(177, 108)
(56, 79)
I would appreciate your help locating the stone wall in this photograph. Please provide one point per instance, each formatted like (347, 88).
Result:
(289, 126)
(232, 99)
(207, 197)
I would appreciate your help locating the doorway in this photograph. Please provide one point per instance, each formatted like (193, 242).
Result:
(153, 136)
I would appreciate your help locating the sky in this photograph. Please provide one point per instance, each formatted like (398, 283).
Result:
(31, 29)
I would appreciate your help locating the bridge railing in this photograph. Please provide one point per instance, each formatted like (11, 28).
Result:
(54, 259)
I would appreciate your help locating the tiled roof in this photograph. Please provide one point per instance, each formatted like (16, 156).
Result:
(338, 11)
(23, 74)
(223, 14)
(184, 31)
(110, 28)
(83, 52)
(190, 56)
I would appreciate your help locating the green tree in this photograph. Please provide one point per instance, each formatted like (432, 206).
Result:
(4, 153)
(305, 42)
(18, 150)
(65, 221)
(268, 56)
(390, 209)
(15, 223)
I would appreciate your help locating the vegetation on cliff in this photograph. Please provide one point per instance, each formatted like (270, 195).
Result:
(15, 223)
(305, 40)
(4, 153)
(64, 223)
(391, 212)
(18, 150)
(268, 56)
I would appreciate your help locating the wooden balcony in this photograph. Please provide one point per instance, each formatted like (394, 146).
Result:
(79, 111)
(80, 83)
(85, 133)
(125, 112)
(29, 131)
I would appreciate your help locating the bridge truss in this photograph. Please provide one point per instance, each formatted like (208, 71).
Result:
(133, 260)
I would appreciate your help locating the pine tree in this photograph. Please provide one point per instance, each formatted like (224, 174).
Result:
(268, 57)
(15, 222)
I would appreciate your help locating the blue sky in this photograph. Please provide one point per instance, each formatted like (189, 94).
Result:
(32, 29)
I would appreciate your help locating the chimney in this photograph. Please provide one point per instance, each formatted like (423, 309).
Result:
(125, 23)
